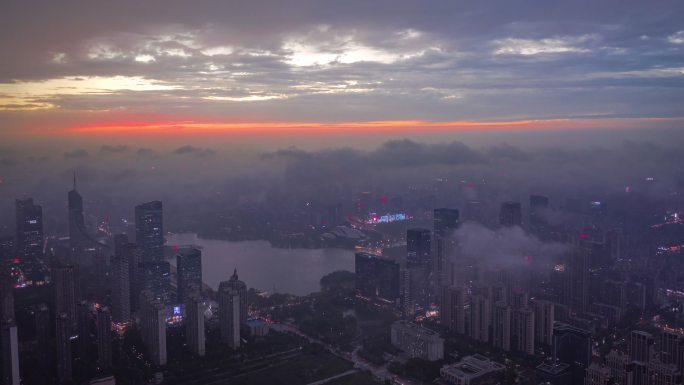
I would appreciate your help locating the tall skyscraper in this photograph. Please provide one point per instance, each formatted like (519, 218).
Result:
(6, 293)
(189, 273)
(452, 308)
(538, 222)
(229, 314)
(133, 253)
(104, 338)
(501, 328)
(10, 352)
(418, 248)
(77, 230)
(65, 295)
(480, 317)
(578, 265)
(120, 281)
(241, 288)
(156, 277)
(618, 362)
(63, 343)
(6, 248)
(445, 224)
(153, 327)
(84, 324)
(543, 321)
(149, 230)
(40, 317)
(511, 214)
(419, 266)
(640, 346)
(671, 347)
(572, 346)
(29, 238)
(377, 276)
(194, 323)
(523, 330)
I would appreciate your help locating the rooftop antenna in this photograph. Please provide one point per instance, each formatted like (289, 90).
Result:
(74, 180)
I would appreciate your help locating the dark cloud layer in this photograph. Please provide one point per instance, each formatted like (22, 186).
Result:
(345, 61)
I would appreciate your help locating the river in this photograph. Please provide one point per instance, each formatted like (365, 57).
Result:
(294, 271)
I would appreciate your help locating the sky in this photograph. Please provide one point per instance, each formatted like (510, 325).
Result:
(227, 102)
(111, 71)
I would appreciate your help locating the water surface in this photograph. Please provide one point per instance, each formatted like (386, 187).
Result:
(295, 271)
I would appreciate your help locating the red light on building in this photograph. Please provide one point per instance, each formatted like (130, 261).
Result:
(16, 260)
(582, 236)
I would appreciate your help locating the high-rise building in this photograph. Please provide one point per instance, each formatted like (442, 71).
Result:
(77, 231)
(445, 224)
(543, 321)
(241, 288)
(6, 292)
(40, 317)
(188, 273)
(229, 314)
(598, 375)
(149, 230)
(671, 347)
(156, 277)
(6, 248)
(65, 294)
(501, 328)
(153, 326)
(29, 238)
(84, 324)
(617, 362)
(480, 317)
(194, 323)
(452, 308)
(120, 281)
(419, 266)
(538, 221)
(662, 373)
(578, 265)
(10, 352)
(640, 346)
(510, 214)
(572, 346)
(523, 330)
(63, 343)
(104, 338)
(377, 276)
(519, 298)
(418, 248)
(133, 254)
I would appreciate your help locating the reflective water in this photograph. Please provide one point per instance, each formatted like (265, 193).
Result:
(295, 271)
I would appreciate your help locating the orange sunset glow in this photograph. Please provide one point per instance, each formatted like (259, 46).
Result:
(201, 127)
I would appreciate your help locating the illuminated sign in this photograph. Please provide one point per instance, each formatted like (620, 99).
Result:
(176, 310)
(387, 218)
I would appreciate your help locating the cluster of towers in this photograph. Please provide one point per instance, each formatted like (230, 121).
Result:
(99, 291)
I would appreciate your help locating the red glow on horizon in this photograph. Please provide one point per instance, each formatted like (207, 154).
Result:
(167, 126)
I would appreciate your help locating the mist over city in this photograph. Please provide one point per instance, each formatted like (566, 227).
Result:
(318, 192)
